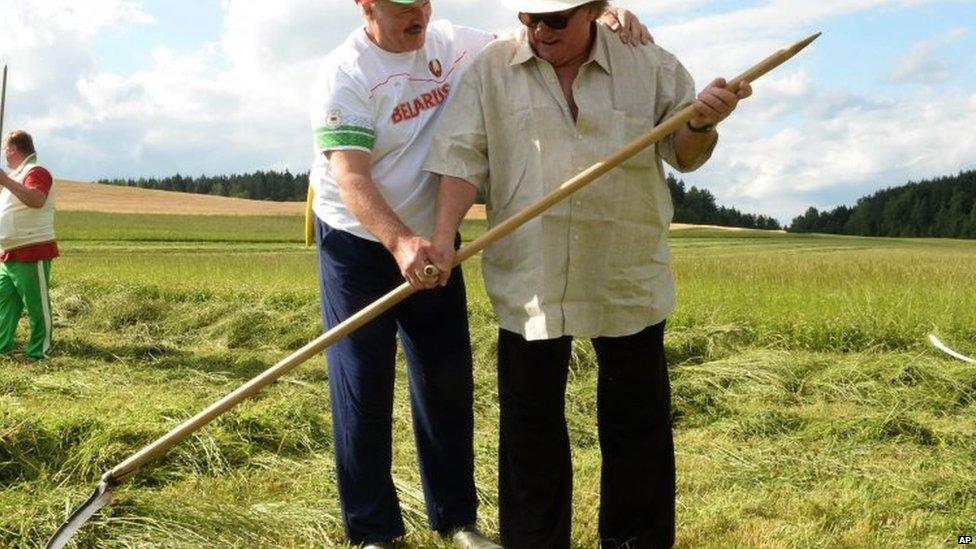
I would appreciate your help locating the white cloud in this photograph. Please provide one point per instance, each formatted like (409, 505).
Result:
(721, 41)
(53, 39)
(49, 60)
(795, 144)
(923, 64)
(841, 143)
(235, 104)
(238, 103)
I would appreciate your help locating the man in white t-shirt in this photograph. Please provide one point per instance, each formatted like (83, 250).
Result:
(374, 109)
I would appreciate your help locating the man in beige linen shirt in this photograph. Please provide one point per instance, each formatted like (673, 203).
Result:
(530, 114)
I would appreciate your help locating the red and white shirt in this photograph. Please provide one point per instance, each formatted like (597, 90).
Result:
(38, 178)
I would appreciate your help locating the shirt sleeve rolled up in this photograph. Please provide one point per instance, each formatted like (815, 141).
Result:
(460, 145)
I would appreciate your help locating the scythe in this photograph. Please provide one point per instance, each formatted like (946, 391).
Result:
(123, 471)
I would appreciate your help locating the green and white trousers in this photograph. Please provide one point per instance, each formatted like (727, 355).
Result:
(25, 284)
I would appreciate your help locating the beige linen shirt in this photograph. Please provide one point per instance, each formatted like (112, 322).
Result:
(596, 264)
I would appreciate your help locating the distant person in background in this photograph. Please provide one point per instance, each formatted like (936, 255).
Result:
(27, 245)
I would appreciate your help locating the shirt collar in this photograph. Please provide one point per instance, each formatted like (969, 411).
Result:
(600, 54)
(523, 51)
(30, 160)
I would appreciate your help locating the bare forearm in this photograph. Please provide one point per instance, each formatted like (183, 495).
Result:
(364, 201)
(33, 198)
(454, 199)
(689, 146)
(352, 171)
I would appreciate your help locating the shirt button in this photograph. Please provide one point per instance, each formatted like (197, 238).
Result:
(579, 202)
(575, 237)
(579, 137)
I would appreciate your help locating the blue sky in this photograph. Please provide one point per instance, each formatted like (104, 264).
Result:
(133, 88)
(181, 25)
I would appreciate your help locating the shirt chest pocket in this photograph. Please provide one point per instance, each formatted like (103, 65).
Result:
(515, 151)
(630, 127)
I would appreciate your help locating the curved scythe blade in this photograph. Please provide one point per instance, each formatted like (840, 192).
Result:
(942, 347)
(100, 498)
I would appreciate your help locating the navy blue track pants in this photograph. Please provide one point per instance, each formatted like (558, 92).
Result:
(433, 329)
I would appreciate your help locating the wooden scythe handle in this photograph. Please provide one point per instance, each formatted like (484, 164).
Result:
(131, 465)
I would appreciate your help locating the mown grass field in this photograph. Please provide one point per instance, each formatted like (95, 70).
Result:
(809, 409)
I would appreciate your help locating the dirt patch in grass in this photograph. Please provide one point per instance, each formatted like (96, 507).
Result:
(93, 197)
(77, 196)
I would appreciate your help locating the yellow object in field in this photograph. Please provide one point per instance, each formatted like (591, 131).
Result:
(309, 218)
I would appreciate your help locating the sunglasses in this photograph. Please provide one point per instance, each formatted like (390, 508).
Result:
(554, 20)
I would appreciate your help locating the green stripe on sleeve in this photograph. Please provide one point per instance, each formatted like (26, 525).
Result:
(344, 139)
(346, 128)
(345, 136)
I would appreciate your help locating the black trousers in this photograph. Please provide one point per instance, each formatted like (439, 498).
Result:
(637, 484)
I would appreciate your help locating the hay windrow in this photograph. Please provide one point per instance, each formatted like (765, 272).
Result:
(808, 407)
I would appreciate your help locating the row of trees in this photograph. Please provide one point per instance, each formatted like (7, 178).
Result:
(274, 186)
(698, 206)
(692, 205)
(943, 207)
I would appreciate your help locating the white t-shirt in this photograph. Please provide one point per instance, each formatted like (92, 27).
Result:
(387, 104)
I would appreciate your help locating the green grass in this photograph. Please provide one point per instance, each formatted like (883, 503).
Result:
(154, 228)
(809, 409)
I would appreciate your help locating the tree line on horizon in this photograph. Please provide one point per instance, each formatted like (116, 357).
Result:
(691, 205)
(271, 185)
(698, 206)
(944, 207)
